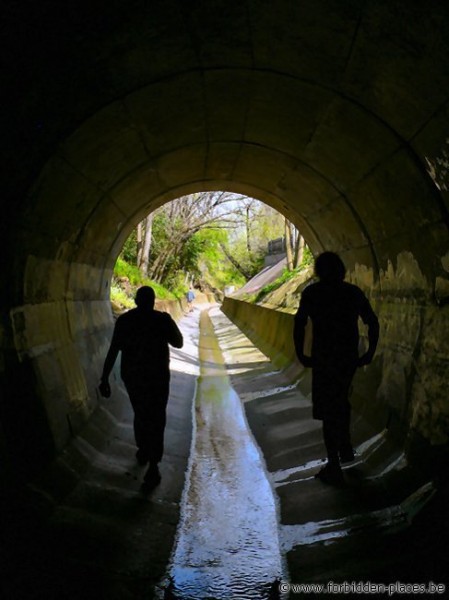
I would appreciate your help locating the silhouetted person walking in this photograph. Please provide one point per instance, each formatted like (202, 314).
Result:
(334, 307)
(143, 335)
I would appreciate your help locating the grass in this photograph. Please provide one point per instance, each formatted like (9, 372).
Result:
(122, 297)
(274, 285)
(286, 276)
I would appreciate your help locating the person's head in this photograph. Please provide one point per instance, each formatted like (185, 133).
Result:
(145, 297)
(330, 267)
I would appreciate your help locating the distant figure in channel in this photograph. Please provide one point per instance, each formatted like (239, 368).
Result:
(143, 335)
(190, 296)
(334, 307)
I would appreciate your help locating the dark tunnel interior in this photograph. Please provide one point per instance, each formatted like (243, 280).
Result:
(334, 112)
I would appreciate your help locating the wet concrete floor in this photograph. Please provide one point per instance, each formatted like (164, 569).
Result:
(105, 539)
(385, 525)
(227, 544)
(230, 519)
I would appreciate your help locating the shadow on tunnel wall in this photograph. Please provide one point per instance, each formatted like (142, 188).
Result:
(28, 443)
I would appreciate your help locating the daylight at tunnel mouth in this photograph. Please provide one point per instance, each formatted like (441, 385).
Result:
(332, 113)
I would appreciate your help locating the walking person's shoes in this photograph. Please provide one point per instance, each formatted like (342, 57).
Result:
(141, 457)
(347, 456)
(332, 475)
(152, 479)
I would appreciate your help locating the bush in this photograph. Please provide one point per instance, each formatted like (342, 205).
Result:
(119, 298)
(124, 269)
(122, 296)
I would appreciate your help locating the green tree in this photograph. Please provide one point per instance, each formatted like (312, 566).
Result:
(218, 238)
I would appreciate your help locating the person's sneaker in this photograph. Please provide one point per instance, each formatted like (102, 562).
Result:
(332, 475)
(152, 478)
(141, 457)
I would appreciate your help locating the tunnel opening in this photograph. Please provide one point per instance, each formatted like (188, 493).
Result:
(80, 308)
(58, 284)
(61, 314)
(214, 242)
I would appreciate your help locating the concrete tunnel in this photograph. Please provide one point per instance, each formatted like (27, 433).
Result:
(333, 112)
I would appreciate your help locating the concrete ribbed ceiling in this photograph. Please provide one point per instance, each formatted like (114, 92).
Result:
(329, 110)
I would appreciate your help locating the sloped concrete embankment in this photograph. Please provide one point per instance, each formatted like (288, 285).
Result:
(400, 505)
(271, 330)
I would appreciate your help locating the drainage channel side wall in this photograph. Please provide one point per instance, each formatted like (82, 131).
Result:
(269, 329)
(272, 332)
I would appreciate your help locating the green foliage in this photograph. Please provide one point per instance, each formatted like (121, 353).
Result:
(123, 268)
(187, 239)
(159, 233)
(181, 263)
(215, 269)
(122, 296)
(307, 260)
(274, 285)
(120, 299)
(178, 285)
(161, 292)
(129, 250)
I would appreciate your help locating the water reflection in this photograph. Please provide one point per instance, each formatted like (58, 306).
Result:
(227, 542)
(387, 520)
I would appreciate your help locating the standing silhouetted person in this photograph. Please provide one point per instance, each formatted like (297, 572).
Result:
(334, 308)
(143, 336)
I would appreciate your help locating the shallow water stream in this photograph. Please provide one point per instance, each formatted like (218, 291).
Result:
(227, 543)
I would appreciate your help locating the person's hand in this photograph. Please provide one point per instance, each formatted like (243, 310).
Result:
(105, 388)
(365, 359)
(306, 361)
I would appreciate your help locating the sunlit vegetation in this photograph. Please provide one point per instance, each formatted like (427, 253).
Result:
(209, 240)
(307, 260)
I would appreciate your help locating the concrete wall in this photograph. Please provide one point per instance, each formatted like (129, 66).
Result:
(52, 374)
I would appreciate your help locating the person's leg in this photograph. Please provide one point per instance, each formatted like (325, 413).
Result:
(155, 429)
(345, 449)
(331, 436)
(331, 473)
(323, 399)
(326, 393)
(149, 401)
(138, 395)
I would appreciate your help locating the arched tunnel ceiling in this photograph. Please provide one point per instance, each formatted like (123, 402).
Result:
(329, 110)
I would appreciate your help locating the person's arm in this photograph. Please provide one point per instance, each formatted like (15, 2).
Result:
(111, 357)
(369, 318)
(299, 333)
(174, 336)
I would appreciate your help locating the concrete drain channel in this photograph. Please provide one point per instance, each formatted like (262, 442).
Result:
(227, 542)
